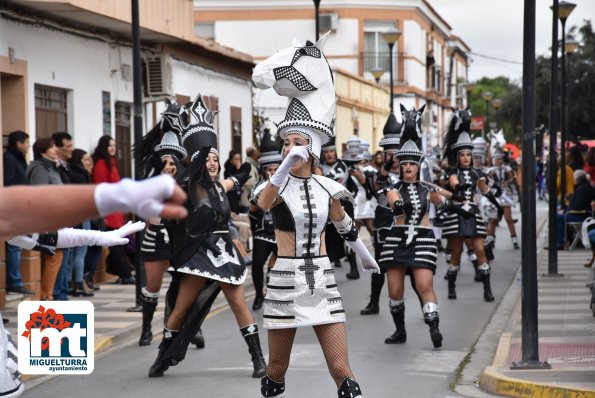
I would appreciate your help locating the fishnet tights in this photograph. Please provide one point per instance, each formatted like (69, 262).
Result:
(333, 341)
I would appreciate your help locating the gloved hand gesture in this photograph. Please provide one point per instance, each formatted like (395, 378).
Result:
(118, 236)
(296, 154)
(211, 244)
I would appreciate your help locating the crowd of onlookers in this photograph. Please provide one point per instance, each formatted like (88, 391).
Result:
(578, 202)
(56, 161)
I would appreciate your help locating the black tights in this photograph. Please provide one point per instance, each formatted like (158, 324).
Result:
(260, 253)
(333, 341)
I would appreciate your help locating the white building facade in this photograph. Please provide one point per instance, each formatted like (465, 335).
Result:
(429, 62)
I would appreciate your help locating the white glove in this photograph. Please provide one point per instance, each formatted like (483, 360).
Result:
(295, 154)
(71, 237)
(144, 198)
(367, 261)
(23, 241)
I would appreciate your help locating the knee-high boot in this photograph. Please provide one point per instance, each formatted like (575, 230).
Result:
(149, 304)
(377, 283)
(432, 319)
(452, 279)
(349, 389)
(447, 256)
(473, 258)
(397, 310)
(353, 271)
(271, 388)
(250, 334)
(161, 365)
(484, 270)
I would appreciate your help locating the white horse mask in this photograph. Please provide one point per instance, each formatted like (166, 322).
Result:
(302, 74)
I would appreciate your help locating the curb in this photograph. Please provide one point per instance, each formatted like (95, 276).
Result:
(494, 382)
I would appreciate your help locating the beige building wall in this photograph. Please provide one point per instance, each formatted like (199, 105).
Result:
(362, 109)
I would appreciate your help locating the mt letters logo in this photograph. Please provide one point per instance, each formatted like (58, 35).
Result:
(56, 337)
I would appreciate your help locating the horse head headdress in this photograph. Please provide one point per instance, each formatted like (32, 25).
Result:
(497, 142)
(302, 74)
(411, 136)
(458, 135)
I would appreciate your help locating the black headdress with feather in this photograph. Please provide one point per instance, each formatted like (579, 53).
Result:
(411, 136)
(458, 135)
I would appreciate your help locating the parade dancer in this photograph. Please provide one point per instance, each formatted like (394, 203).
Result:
(335, 169)
(159, 152)
(204, 256)
(464, 181)
(411, 245)
(261, 221)
(503, 176)
(302, 290)
(386, 177)
(489, 211)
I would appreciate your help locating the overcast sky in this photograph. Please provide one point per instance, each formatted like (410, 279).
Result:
(495, 28)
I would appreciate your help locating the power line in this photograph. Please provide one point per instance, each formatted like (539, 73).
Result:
(495, 58)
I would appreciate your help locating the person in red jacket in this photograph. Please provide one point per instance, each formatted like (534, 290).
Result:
(106, 170)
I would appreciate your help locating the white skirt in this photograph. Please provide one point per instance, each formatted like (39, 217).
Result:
(302, 292)
(363, 208)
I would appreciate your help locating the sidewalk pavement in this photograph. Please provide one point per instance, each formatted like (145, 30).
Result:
(566, 335)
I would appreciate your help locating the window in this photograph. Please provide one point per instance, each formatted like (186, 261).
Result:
(205, 30)
(51, 110)
(236, 128)
(376, 52)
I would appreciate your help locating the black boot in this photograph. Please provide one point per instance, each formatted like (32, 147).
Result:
(452, 279)
(271, 388)
(338, 264)
(447, 256)
(487, 287)
(250, 334)
(515, 242)
(198, 340)
(161, 365)
(149, 303)
(400, 335)
(432, 319)
(349, 389)
(258, 300)
(377, 283)
(353, 271)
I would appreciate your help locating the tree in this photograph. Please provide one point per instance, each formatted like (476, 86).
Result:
(581, 85)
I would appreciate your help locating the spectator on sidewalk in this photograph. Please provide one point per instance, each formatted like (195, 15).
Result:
(64, 148)
(569, 181)
(589, 166)
(579, 208)
(576, 161)
(106, 170)
(15, 167)
(43, 170)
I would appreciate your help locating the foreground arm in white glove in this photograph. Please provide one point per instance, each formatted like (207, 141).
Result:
(71, 237)
(24, 209)
(269, 193)
(346, 228)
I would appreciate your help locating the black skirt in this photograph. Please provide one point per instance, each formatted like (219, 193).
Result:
(471, 226)
(155, 245)
(414, 247)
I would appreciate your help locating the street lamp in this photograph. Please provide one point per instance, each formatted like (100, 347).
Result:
(564, 10)
(569, 47)
(468, 89)
(390, 37)
(377, 72)
(487, 97)
(496, 103)
(317, 8)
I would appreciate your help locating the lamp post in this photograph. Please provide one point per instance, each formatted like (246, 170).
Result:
(569, 47)
(552, 267)
(564, 10)
(390, 37)
(497, 104)
(468, 89)
(317, 8)
(487, 97)
(377, 72)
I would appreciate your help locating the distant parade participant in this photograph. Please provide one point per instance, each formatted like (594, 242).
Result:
(489, 211)
(362, 174)
(386, 177)
(302, 290)
(466, 221)
(503, 176)
(159, 152)
(261, 221)
(335, 169)
(204, 256)
(411, 245)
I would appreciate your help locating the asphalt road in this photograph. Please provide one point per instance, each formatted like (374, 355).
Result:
(223, 368)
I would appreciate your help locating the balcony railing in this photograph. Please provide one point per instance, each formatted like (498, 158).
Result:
(371, 60)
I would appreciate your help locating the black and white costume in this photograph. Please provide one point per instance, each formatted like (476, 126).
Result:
(261, 221)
